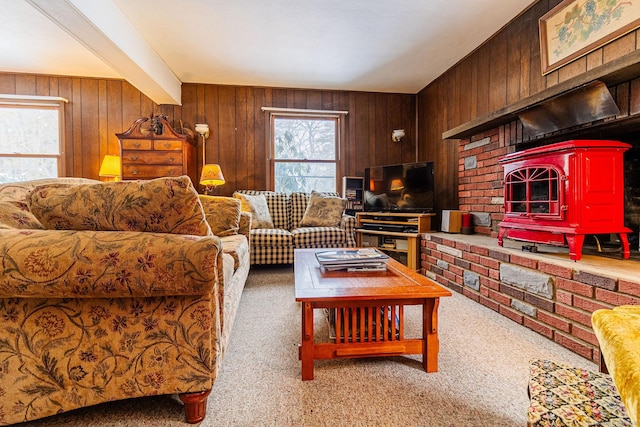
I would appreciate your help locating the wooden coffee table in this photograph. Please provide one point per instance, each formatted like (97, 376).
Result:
(368, 308)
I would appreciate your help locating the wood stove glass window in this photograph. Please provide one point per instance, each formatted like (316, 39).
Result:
(532, 191)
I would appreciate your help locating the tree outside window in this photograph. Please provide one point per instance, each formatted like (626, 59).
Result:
(305, 153)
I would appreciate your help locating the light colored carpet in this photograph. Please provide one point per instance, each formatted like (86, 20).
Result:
(482, 378)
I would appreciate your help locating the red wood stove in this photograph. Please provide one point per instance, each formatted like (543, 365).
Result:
(558, 193)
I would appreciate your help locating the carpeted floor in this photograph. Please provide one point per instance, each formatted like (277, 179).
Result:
(482, 378)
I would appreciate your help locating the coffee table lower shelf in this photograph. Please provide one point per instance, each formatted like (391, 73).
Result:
(365, 328)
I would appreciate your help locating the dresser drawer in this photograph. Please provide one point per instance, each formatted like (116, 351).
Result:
(151, 158)
(167, 145)
(150, 171)
(136, 144)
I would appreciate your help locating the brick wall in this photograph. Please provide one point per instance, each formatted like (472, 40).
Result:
(480, 175)
(548, 297)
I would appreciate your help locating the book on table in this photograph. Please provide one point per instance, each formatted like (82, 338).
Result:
(366, 259)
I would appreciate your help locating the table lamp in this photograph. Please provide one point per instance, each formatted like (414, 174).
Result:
(110, 167)
(211, 176)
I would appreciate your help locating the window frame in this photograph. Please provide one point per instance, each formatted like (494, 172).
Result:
(43, 103)
(289, 113)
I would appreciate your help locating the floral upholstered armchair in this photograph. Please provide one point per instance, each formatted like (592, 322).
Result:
(108, 291)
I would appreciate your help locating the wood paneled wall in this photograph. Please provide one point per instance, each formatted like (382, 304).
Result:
(100, 108)
(97, 109)
(502, 71)
(239, 128)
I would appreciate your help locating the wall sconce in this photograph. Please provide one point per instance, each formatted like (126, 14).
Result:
(110, 167)
(397, 135)
(203, 130)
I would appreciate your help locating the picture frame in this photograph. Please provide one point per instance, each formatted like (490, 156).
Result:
(576, 27)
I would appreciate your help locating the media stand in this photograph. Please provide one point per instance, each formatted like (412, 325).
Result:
(397, 234)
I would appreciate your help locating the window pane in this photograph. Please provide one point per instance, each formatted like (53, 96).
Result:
(540, 190)
(296, 176)
(518, 191)
(29, 131)
(15, 169)
(305, 139)
(518, 207)
(540, 208)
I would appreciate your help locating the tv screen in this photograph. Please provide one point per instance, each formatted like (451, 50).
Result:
(406, 187)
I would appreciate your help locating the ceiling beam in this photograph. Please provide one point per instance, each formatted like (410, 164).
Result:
(102, 28)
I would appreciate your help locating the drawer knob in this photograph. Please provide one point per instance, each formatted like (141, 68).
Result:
(134, 158)
(167, 145)
(171, 159)
(172, 172)
(136, 144)
(134, 172)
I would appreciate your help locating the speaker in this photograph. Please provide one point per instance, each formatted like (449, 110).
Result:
(451, 221)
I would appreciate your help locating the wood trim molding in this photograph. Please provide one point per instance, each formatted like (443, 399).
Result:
(302, 111)
(32, 100)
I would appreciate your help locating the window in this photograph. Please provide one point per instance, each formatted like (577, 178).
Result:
(31, 130)
(305, 147)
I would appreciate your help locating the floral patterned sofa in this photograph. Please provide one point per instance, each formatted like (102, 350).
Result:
(285, 222)
(115, 290)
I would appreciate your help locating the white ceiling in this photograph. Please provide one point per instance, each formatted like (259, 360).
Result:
(361, 45)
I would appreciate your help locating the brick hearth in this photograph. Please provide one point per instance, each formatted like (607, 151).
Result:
(544, 291)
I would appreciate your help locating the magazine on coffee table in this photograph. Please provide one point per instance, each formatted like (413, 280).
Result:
(367, 259)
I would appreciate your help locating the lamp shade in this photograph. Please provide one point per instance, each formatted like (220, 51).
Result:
(396, 184)
(211, 175)
(110, 166)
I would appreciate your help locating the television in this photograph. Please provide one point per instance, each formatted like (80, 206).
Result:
(406, 187)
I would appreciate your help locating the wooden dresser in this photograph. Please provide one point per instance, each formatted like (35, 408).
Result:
(151, 148)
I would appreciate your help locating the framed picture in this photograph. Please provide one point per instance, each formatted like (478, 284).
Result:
(576, 27)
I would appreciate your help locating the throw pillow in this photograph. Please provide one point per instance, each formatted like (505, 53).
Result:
(162, 205)
(222, 213)
(19, 190)
(257, 206)
(323, 211)
(16, 215)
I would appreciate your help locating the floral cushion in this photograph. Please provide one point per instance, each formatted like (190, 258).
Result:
(563, 395)
(16, 215)
(237, 246)
(323, 211)
(257, 206)
(12, 191)
(222, 213)
(62, 354)
(69, 263)
(162, 205)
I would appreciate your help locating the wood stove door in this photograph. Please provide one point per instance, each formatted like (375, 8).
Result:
(534, 193)
(598, 192)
